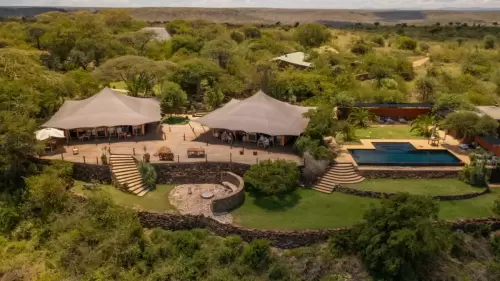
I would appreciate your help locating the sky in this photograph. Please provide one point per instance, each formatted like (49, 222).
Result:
(312, 4)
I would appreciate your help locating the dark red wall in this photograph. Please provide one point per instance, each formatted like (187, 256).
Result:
(493, 148)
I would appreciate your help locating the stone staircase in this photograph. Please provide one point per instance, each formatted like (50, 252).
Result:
(126, 174)
(338, 173)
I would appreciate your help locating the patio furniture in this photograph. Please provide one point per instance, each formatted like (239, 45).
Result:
(195, 152)
(75, 151)
(434, 141)
(165, 154)
(403, 121)
(83, 137)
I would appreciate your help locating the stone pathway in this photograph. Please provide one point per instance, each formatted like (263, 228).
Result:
(187, 199)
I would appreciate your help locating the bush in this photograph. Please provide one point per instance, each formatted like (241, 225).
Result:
(237, 36)
(424, 47)
(9, 217)
(489, 42)
(475, 174)
(402, 238)
(148, 174)
(379, 40)
(273, 177)
(361, 48)
(406, 43)
(257, 255)
(312, 34)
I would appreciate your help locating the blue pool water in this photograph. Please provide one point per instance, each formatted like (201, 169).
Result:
(402, 154)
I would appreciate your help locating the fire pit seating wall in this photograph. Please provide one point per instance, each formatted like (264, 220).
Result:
(232, 201)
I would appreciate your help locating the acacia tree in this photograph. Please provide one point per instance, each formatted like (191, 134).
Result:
(172, 98)
(140, 74)
(468, 124)
(219, 50)
(312, 34)
(426, 88)
(212, 96)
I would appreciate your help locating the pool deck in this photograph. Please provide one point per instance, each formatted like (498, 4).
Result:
(449, 143)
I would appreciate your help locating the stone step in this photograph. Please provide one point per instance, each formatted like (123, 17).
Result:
(143, 192)
(134, 181)
(117, 170)
(341, 172)
(122, 161)
(134, 187)
(127, 177)
(341, 169)
(345, 180)
(341, 176)
(342, 165)
(138, 189)
(120, 156)
(325, 185)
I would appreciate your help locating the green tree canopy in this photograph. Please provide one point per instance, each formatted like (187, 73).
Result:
(172, 98)
(276, 177)
(402, 238)
(312, 34)
(468, 124)
(140, 74)
(406, 43)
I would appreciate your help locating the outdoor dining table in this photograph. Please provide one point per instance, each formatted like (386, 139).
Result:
(195, 152)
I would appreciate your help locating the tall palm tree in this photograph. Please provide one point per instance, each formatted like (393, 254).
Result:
(360, 117)
(422, 125)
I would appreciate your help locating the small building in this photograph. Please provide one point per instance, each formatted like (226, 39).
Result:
(297, 59)
(106, 114)
(408, 111)
(160, 32)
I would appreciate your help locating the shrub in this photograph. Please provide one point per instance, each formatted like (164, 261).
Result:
(148, 174)
(312, 34)
(406, 43)
(475, 174)
(402, 238)
(63, 170)
(273, 177)
(9, 217)
(361, 48)
(489, 42)
(257, 254)
(379, 40)
(314, 148)
(424, 47)
(237, 36)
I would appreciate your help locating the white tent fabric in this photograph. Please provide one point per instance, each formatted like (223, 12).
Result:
(47, 133)
(106, 109)
(258, 114)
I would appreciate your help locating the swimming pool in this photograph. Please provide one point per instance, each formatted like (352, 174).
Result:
(403, 154)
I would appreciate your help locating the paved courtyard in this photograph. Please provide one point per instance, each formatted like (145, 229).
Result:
(178, 138)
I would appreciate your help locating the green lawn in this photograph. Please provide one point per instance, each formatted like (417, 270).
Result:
(418, 186)
(387, 132)
(118, 85)
(308, 209)
(312, 209)
(156, 200)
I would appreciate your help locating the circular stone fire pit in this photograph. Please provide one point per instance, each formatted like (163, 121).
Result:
(207, 194)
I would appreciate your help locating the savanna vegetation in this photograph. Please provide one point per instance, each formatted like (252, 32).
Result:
(47, 234)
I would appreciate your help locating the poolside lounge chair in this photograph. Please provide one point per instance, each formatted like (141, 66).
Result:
(403, 121)
(390, 121)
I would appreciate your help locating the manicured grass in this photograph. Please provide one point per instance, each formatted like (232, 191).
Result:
(310, 209)
(418, 186)
(387, 132)
(176, 120)
(307, 209)
(156, 200)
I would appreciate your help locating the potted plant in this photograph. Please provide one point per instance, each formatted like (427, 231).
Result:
(242, 152)
(255, 153)
(146, 157)
(104, 159)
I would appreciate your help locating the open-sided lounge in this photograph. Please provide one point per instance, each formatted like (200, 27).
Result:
(105, 115)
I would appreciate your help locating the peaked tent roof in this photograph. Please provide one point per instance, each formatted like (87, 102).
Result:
(107, 108)
(297, 58)
(259, 114)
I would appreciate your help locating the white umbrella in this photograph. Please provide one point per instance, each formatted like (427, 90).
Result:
(46, 133)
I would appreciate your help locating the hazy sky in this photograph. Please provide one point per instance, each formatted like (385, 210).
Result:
(333, 4)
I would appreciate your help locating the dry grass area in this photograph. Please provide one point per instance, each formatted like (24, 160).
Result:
(327, 16)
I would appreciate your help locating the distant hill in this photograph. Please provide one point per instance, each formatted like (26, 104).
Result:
(287, 16)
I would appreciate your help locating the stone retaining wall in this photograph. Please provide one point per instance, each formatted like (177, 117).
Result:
(92, 172)
(408, 173)
(199, 172)
(233, 200)
(279, 239)
(376, 194)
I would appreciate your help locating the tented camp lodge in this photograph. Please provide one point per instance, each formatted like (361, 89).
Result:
(106, 114)
(258, 114)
